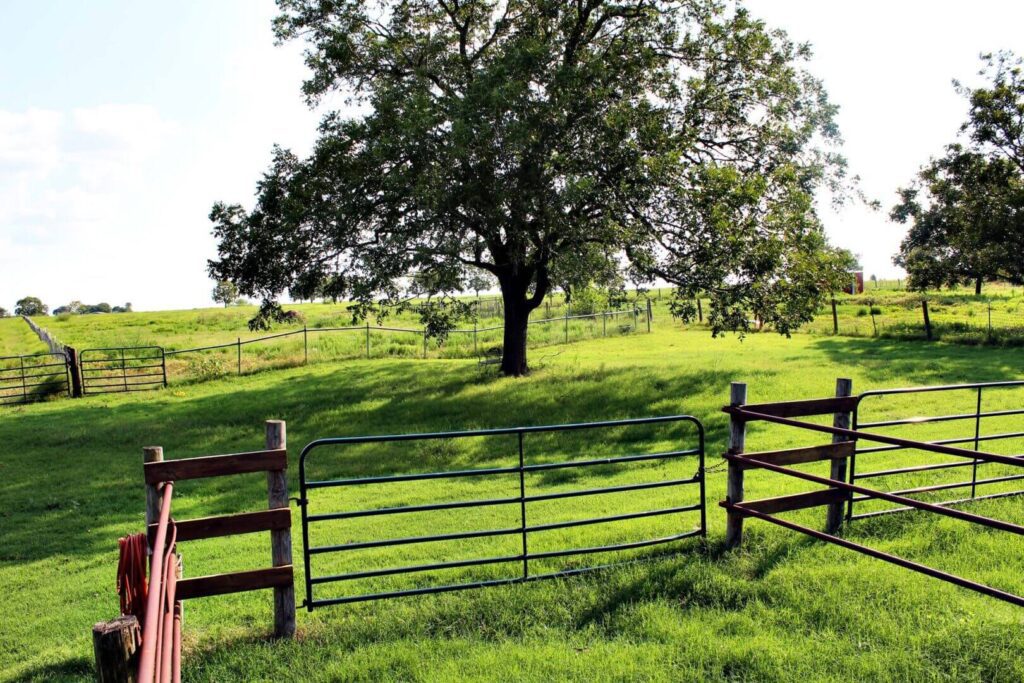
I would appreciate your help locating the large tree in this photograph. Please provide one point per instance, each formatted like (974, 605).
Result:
(544, 141)
(30, 305)
(966, 208)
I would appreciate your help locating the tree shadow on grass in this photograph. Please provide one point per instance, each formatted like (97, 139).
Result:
(925, 362)
(66, 487)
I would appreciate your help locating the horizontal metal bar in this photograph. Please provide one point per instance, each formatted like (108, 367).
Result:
(122, 348)
(917, 468)
(500, 431)
(941, 387)
(609, 461)
(940, 418)
(497, 532)
(335, 329)
(18, 387)
(453, 474)
(28, 368)
(946, 487)
(200, 348)
(110, 385)
(485, 502)
(355, 481)
(117, 359)
(154, 387)
(965, 439)
(878, 554)
(944, 503)
(415, 568)
(57, 373)
(476, 584)
(612, 518)
(384, 543)
(892, 497)
(613, 547)
(871, 436)
(118, 367)
(610, 489)
(34, 355)
(267, 338)
(455, 564)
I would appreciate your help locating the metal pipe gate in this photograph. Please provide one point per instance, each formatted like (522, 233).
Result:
(521, 472)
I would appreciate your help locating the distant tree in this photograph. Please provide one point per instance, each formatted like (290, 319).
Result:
(874, 280)
(30, 305)
(966, 208)
(679, 140)
(225, 292)
(4, 312)
(127, 308)
(480, 281)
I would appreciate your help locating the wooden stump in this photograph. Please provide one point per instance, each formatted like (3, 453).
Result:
(115, 645)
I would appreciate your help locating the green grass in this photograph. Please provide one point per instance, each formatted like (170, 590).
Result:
(16, 338)
(783, 608)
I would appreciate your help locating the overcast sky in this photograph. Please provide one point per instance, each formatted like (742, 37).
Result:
(122, 122)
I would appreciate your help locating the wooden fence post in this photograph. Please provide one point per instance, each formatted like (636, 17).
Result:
(927, 320)
(567, 323)
(834, 514)
(152, 454)
(239, 355)
(114, 647)
(835, 317)
(734, 486)
(75, 370)
(367, 339)
(280, 539)
(305, 345)
(700, 311)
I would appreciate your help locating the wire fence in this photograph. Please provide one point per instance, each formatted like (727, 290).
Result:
(324, 344)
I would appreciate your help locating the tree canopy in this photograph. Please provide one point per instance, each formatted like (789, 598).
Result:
(966, 208)
(30, 305)
(547, 143)
(224, 292)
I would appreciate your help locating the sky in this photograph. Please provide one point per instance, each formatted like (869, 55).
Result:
(121, 123)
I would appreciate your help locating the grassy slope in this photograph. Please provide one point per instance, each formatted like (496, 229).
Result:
(785, 608)
(16, 338)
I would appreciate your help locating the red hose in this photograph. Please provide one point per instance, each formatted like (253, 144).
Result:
(131, 576)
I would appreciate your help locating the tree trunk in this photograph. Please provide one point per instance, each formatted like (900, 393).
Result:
(977, 286)
(513, 351)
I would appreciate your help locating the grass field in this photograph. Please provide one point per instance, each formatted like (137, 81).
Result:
(783, 608)
(16, 338)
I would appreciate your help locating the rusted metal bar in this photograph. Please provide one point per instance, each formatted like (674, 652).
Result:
(150, 638)
(878, 554)
(870, 436)
(892, 498)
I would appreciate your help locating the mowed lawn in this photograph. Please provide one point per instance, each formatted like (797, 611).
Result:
(783, 608)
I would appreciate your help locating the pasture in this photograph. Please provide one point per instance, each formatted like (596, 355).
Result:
(782, 608)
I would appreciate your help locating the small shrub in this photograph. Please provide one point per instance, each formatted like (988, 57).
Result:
(206, 368)
(875, 310)
(861, 312)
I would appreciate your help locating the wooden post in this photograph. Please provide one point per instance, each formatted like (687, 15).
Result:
(604, 323)
(239, 355)
(834, 513)
(152, 454)
(700, 311)
(990, 321)
(648, 315)
(734, 485)
(114, 645)
(305, 345)
(75, 369)
(424, 343)
(367, 339)
(927, 320)
(835, 317)
(475, 351)
(567, 323)
(280, 539)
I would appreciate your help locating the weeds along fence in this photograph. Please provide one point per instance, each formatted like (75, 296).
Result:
(322, 344)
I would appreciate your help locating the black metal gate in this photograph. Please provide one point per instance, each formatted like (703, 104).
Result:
(122, 369)
(25, 379)
(323, 539)
(973, 435)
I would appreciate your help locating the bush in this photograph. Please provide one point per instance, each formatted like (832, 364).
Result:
(875, 310)
(861, 312)
(206, 368)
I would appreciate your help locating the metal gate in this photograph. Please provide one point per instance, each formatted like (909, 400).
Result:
(973, 435)
(122, 369)
(25, 379)
(532, 477)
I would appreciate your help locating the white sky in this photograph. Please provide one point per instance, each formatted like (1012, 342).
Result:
(121, 123)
